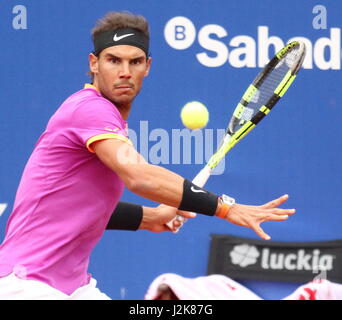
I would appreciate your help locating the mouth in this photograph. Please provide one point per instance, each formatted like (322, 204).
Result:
(123, 86)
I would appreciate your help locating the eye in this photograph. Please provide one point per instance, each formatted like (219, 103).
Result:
(114, 60)
(136, 61)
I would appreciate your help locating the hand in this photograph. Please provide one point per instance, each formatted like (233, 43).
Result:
(252, 216)
(155, 220)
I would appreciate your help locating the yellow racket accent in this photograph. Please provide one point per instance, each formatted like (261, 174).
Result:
(238, 111)
(248, 95)
(283, 51)
(228, 143)
(289, 82)
(248, 126)
(284, 84)
(264, 109)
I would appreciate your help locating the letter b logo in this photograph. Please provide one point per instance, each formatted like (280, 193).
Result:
(180, 33)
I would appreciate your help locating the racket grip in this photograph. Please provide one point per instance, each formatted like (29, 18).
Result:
(200, 180)
(202, 177)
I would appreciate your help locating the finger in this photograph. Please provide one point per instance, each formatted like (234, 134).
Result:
(177, 223)
(260, 232)
(276, 202)
(275, 217)
(186, 214)
(173, 228)
(279, 211)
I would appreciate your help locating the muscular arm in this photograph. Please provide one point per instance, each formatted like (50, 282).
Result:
(149, 181)
(163, 186)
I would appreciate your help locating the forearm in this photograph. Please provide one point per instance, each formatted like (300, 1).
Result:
(164, 186)
(158, 184)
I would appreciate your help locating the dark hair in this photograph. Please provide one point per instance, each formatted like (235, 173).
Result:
(119, 20)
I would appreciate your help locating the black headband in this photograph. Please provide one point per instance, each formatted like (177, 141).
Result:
(128, 36)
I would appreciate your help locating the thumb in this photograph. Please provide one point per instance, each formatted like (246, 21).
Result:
(186, 214)
(260, 232)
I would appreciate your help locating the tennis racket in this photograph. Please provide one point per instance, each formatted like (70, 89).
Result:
(258, 100)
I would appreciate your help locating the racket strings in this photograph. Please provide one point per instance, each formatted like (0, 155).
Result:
(266, 90)
(273, 79)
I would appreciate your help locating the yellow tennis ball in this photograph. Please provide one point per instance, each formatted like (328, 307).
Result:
(194, 115)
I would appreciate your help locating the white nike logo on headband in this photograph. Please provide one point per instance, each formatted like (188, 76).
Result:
(118, 38)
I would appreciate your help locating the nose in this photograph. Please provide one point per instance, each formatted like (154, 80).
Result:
(125, 71)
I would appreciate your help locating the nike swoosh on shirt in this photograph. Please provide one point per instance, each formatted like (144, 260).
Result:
(196, 190)
(118, 38)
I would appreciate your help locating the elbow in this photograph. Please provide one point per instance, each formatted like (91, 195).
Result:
(132, 185)
(139, 180)
(139, 185)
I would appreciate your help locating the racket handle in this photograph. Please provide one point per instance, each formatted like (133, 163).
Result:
(202, 177)
(200, 180)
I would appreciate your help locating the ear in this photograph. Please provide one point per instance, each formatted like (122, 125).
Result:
(93, 63)
(148, 66)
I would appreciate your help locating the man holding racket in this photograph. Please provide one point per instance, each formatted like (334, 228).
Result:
(71, 186)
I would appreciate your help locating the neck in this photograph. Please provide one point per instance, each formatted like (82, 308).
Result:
(123, 109)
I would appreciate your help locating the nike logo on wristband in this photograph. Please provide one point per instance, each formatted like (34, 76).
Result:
(118, 38)
(197, 190)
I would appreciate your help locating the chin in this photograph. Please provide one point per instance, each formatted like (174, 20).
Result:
(122, 101)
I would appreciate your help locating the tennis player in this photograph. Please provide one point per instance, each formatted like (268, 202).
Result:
(70, 190)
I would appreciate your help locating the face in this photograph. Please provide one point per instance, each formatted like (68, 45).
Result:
(119, 72)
